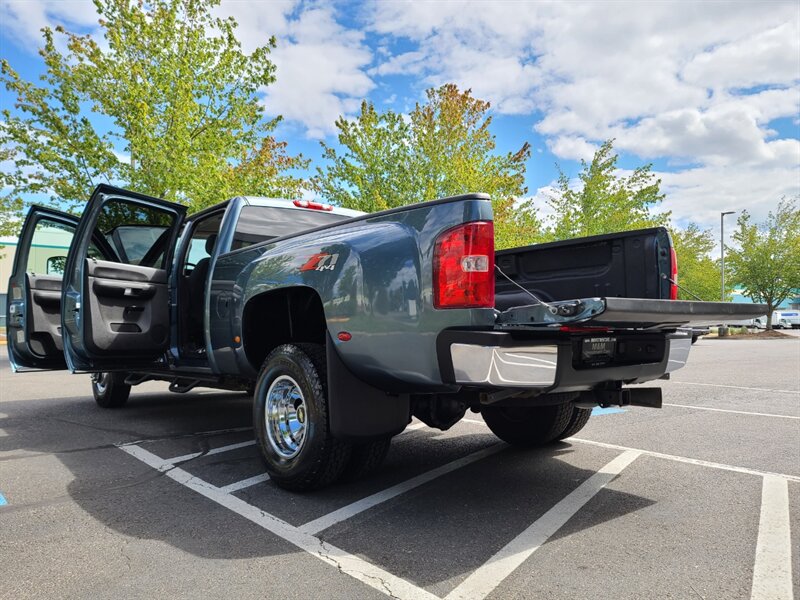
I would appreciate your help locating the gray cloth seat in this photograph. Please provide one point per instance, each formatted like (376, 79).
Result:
(196, 289)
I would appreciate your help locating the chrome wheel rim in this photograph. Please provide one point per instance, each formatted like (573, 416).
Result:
(286, 416)
(100, 382)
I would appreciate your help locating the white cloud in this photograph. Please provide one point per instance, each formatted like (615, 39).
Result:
(726, 133)
(765, 57)
(572, 147)
(23, 20)
(701, 193)
(695, 83)
(320, 73)
(321, 65)
(698, 84)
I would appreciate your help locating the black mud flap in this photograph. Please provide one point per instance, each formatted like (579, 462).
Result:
(357, 410)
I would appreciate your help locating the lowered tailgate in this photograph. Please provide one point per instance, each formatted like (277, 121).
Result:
(627, 313)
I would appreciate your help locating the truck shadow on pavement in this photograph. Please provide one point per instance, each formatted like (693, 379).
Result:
(430, 534)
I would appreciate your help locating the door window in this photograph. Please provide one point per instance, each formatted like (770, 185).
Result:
(47, 253)
(139, 234)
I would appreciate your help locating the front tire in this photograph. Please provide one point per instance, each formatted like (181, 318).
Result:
(528, 426)
(290, 418)
(110, 389)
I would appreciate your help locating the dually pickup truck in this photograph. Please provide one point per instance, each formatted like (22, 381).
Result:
(343, 325)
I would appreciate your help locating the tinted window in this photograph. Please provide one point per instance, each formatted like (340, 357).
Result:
(134, 241)
(139, 234)
(261, 223)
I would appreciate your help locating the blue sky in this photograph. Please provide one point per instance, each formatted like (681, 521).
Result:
(709, 92)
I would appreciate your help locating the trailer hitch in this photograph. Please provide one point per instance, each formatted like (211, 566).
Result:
(615, 395)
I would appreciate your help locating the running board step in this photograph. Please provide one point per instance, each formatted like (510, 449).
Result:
(181, 386)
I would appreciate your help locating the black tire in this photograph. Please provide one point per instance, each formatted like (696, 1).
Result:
(528, 426)
(366, 458)
(295, 461)
(110, 389)
(579, 419)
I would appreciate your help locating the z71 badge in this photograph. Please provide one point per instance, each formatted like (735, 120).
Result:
(321, 262)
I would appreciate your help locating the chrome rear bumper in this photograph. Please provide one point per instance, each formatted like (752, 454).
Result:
(496, 360)
(522, 366)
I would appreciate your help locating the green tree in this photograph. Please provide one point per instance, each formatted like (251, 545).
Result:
(165, 104)
(698, 273)
(444, 148)
(373, 170)
(766, 258)
(605, 201)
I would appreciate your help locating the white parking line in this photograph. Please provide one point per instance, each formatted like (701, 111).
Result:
(772, 572)
(683, 459)
(691, 461)
(213, 451)
(355, 567)
(413, 427)
(738, 412)
(188, 435)
(245, 483)
(736, 387)
(481, 582)
(350, 510)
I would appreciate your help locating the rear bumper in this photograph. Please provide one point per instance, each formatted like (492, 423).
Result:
(496, 360)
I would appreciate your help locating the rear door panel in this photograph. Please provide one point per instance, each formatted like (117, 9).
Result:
(115, 315)
(127, 310)
(34, 302)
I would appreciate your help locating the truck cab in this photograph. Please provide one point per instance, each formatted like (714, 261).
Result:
(132, 294)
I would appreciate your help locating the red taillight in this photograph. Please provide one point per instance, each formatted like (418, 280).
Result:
(673, 271)
(463, 267)
(312, 205)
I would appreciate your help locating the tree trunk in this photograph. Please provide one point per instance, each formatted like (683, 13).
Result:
(769, 316)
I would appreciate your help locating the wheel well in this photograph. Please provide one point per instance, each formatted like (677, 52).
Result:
(289, 315)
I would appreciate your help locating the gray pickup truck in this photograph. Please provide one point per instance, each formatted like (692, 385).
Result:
(343, 325)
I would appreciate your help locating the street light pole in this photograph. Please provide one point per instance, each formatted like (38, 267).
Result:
(722, 251)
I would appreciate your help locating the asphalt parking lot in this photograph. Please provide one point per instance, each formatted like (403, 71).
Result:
(167, 497)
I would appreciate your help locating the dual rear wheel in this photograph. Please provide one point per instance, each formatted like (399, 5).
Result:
(290, 418)
(529, 426)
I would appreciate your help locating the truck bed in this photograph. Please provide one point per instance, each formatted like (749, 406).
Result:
(630, 264)
(619, 280)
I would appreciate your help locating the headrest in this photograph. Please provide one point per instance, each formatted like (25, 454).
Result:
(211, 241)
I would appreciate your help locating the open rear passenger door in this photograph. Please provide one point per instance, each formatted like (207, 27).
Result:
(34, 290)
(116, 311)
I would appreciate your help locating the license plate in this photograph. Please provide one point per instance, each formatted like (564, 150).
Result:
(598, 348)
